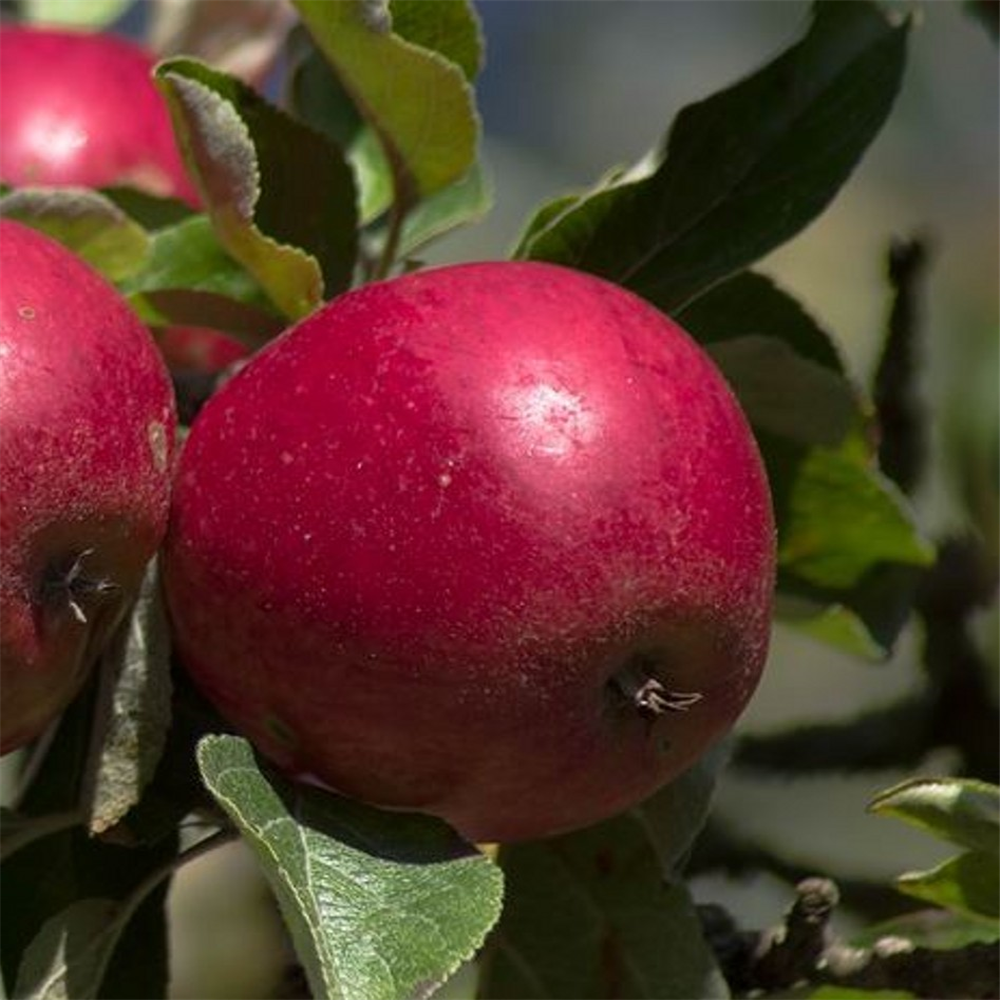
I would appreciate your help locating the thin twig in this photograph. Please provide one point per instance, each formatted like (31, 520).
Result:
(803, 950)
(901, 413)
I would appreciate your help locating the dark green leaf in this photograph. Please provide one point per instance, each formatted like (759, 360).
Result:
(68, 958)
(280, 195)
(192, 307)
(589, 915)
(968, 884)
(50, 874)
(675, 815)
(745, 169)
(782, 365)
(150, 211)
(188, 255)
(71, 955)
(864, 619)
(960, 810)
(751, 304)
(314, 94)
(86, 222)
(317, 97)
(452, 29)
(784, 393)
(380, 905)
(19, 831)
(418, 102)
(848, 543)
(133, 710)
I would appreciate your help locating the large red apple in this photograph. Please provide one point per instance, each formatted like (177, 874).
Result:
(81, 109)
(86, 441)
(491, 541)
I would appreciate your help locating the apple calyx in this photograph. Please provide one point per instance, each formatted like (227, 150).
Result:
(648, 694)
(73, 588)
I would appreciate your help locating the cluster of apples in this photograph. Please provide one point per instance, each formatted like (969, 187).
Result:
(492, 540)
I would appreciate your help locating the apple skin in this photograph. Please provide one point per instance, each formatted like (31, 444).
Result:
(81, 109)
(87, 430)
(429, 547)
(199, 349)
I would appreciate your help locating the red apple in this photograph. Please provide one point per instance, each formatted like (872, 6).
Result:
(81, 109)
(86, 444)
(199, 349)
(491, 541)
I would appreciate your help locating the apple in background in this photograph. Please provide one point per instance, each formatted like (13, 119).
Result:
(198, 349)
(81, 109)
(492, 541)
(86, 443)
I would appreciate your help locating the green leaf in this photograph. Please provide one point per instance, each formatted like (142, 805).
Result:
(150, 211)
(866, 618)
(784, 393)
(418, 102)
(19, 831)
(52, 873)
(193, 307)
(589, 915)
(452, 29)
(968, 884)
(783, 366)
(280, 196)
(838, 517)
(84, 221)
(373, 172)
(744, 170)
(675, 815)
(188, 256)
(545, 216)
(69, 957)
(92, 14)
(832, 624)
(751, 304)
(463, 202)
(379, 905)
(315, 96)
(942, 930)
(49, 875)
(848, 543)
(962, 811)
(133, 710)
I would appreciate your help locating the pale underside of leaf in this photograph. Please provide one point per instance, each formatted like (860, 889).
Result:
(372, 913)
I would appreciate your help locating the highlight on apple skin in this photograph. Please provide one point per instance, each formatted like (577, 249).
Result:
(491, 541)
(81, 109)
(87, 424)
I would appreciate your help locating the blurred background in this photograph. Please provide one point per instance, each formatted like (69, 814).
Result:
(572, 88)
